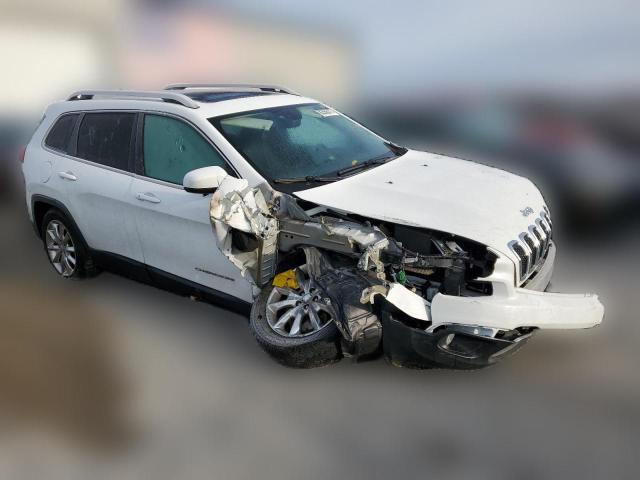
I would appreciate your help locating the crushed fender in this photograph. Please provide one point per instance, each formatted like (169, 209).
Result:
(380, 278)
(235, 209)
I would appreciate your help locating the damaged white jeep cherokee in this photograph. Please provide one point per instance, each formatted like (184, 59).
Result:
(344, 243)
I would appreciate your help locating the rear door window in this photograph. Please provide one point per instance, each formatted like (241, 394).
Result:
(106, 138)
(173, 148)
(59, 137)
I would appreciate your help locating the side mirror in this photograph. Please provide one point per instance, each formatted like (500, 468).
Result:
(204, 180)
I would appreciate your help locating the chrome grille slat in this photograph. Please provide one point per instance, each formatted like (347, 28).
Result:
(544, 225)
(531, 247)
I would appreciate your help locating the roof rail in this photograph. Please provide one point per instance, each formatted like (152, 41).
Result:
(257, 86)
(159, 95)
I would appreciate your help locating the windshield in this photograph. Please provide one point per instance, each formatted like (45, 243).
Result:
(301, 141)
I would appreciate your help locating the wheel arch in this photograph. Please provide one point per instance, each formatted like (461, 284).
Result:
(41, 204)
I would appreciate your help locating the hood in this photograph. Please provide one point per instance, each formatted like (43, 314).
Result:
(442, 193)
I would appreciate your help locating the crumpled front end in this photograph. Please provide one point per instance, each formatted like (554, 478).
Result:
(473, 332)
(422, 297)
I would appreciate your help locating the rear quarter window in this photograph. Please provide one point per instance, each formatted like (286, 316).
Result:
(105, 138)
(59, 137)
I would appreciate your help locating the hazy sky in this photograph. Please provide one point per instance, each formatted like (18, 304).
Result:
(432, 44)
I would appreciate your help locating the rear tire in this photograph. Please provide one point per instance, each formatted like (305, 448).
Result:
(65, 248)
(315, 350)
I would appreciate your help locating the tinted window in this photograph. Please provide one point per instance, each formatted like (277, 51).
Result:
(60, 134)
(172, 148)
(105, 138)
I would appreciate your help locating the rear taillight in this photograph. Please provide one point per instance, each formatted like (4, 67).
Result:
(21, 154)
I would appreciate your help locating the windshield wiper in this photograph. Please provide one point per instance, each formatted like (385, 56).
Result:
(397, 149)
(365, 164)
(307, 179)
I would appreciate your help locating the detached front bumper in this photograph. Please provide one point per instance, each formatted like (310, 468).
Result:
(512, 307)
(449, 347)
(472, 332)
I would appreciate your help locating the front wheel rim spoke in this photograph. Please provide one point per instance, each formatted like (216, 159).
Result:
(276, 306)
(297, 323)
(282, 321)
(56, 230)
(314, 317)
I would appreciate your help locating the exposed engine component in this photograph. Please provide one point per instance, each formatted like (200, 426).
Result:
(358, 324)
(361, 265)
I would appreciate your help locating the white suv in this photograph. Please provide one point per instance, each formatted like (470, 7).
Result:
(344, 244)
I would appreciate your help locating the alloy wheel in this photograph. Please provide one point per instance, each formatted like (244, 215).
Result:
(60, 248)
(299, 312)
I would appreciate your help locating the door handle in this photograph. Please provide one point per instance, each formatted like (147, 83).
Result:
(147, 197)
(68, 176)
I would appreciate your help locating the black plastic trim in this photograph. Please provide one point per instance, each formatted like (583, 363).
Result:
(203, 191)
(412, 346)
(140, 272)
(53, 203)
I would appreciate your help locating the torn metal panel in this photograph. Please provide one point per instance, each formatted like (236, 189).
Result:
(338, 236)
(288, 207)
(296, 233)
(236, 206)
(372, 254)
(358, 234)
(317, 262)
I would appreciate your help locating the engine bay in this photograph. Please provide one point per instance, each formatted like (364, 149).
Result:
(369, 272)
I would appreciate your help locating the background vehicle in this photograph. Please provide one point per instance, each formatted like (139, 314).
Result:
(349, 244)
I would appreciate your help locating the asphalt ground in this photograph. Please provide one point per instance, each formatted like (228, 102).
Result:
(109, 378)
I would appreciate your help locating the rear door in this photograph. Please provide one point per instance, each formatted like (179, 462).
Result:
(46, 169)
(174, 225)
(98, 177)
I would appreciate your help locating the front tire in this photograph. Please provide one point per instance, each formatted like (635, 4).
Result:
(316, 348)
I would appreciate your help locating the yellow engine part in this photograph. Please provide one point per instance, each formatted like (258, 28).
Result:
(286, 279)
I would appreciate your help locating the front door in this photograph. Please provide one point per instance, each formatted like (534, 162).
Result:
(174, 225)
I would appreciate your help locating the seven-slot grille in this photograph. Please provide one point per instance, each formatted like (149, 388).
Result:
(531, 246)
